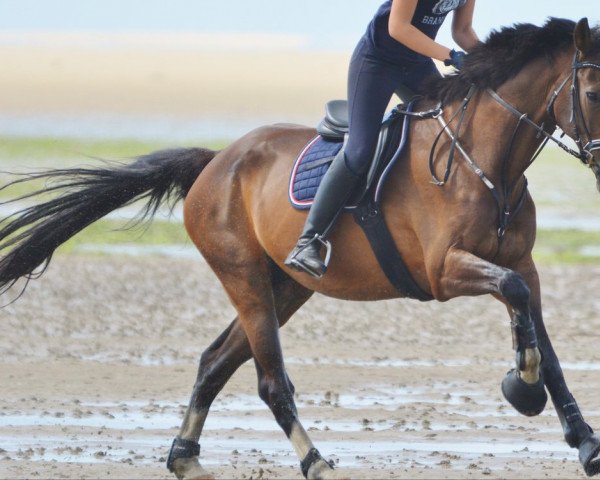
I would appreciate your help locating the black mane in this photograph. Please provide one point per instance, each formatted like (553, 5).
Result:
(502, 56)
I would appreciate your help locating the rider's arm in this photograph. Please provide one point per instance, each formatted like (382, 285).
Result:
(403, 31)
(462, 26)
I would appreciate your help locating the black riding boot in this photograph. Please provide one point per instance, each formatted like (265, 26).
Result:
(335, 189)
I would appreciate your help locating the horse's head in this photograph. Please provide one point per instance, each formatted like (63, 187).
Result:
(581, 119)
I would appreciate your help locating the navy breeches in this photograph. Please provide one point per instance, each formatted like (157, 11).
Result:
(371, 84)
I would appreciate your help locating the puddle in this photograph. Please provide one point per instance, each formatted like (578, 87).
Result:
(249, 413)
(149, 358)
(133, 250)
(585, 366)
(141, 431)
(156, 358)
(165, 421)
(149, 449)
(349, 453)
(426, 363)
(572, 222)
(389, 363)
(228, 414)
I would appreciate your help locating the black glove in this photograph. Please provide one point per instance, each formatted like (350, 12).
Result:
(456, 59)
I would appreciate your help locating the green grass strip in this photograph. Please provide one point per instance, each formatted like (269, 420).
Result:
(110, 232)
(43, 149)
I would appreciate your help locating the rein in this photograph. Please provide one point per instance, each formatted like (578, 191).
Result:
(585, 153)
(505, 213)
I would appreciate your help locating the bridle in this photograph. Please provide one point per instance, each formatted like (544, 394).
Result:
(585, 153)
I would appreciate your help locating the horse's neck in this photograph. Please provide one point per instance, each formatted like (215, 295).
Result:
(494, 126)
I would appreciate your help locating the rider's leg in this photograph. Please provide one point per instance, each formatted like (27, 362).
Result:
(370, 87)
(335, 188)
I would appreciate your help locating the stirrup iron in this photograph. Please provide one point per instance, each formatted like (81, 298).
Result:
(326, 244)
(328, 248)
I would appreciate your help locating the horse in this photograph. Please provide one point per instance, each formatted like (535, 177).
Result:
(469, 234)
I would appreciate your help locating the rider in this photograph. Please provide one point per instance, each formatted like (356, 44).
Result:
(396, 50)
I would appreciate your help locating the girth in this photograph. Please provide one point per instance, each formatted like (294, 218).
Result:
(368, 214)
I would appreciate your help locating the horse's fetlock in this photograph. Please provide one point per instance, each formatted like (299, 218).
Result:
(280, 400)
(274, 392)
(182, 450)
(321, 469)
(529, 365)
(190, 468)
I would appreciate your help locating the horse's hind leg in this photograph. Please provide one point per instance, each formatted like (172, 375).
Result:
(218, 362)
(248, 285)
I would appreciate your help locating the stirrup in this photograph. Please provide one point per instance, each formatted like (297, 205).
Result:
(300, 265)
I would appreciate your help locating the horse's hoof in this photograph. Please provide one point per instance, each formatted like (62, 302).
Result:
(589, 455)
(322, 470)
(190, 469)
(528, 399)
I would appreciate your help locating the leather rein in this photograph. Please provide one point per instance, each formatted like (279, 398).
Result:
(584, 153)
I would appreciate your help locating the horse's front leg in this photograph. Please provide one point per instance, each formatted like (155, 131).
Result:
(464, 274)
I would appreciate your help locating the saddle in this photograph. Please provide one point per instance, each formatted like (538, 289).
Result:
(314, 161)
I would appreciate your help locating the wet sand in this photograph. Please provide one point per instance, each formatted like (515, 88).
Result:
(99, 357)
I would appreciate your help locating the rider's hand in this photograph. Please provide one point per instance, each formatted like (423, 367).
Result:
(456, 59)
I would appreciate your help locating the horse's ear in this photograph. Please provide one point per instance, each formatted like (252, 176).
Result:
(583, 36)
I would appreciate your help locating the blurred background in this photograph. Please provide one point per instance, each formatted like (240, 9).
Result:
(119, 78)
(191, 69)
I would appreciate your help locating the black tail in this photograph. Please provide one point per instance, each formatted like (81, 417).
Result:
(30, 236)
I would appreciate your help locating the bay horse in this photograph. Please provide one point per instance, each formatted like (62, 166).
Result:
(471, 233)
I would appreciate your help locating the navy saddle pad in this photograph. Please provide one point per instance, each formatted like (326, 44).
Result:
(309, 169)
(316, 157)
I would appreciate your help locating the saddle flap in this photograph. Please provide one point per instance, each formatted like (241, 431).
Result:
(389, 146)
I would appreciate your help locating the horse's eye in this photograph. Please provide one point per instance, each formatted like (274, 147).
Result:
(593, 97)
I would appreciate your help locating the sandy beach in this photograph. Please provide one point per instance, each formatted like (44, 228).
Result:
(99, 358)
(168, 74)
